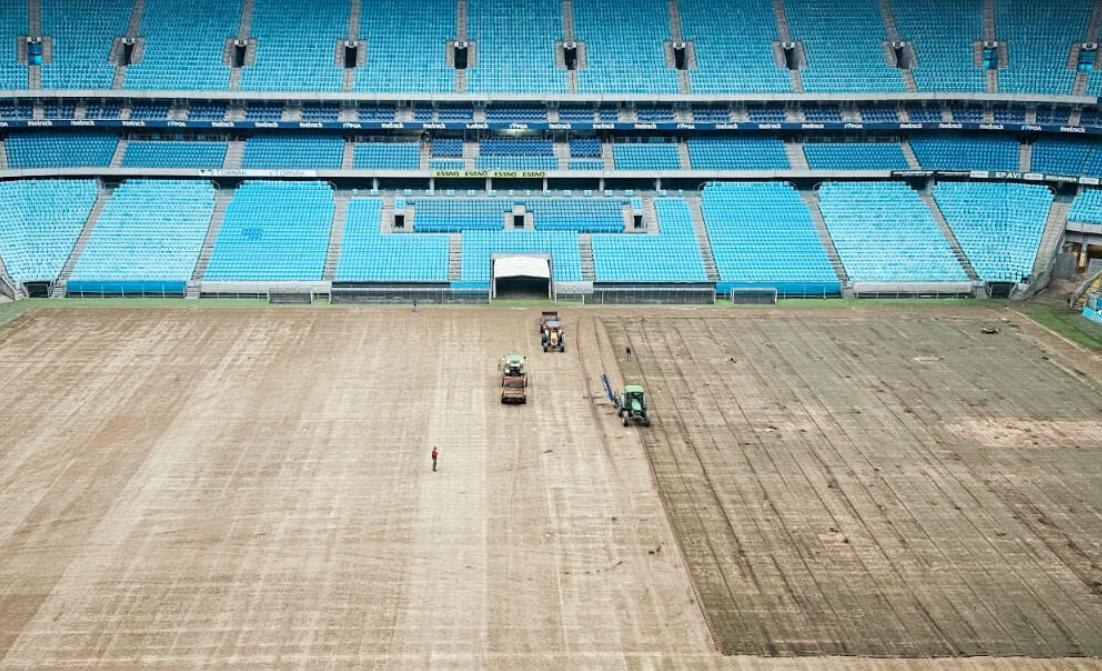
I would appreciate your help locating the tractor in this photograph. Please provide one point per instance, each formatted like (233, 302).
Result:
(514, 379)
(631, 405)
(552, 333)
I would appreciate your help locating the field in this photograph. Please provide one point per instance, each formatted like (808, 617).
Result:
(251, 488)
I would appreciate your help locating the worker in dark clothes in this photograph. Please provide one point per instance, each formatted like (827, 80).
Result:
(435, 455)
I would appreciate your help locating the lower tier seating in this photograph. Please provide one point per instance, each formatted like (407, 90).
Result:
(672, 255)
(370, 256)
(40, 221)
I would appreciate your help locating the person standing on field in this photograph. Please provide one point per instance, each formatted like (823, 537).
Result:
(435, 455)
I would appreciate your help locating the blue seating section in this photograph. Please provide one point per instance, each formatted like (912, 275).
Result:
(13, 23)
(296, 46)
(1087, 207)
(586, 164)
(274, 231)
(1067, 157)
(184, 47)
(942, 34)
(823, 113)
(448, 215)
(262, 112)
(842, 42)
(517, 163)
(104, 110)
(593, 215)
(82, 33)
(207, 112)
(293, 151)
(712, 114)
(60, 149)
(1053, 117)
(324, 113)
(585, 147)
(40, 221)
(383, 154)
(447, 164)
(929, 114)
(671, 256)
(576, 114)
(61, 110)
(737, 153)
(516, 154)
(855, 156)
(650, 114)
(1010, 115)
(174, 154)
(998, 226)
(447, 147)
(149, 110)
(1039, 37)
(966, 114)
(405, 47)
(370, 256)
(624, 46)
(966, 153)
(739, 61)
(762, 235)
(12, 110)
(885, 233)
(766, 114)
(879, 114)
(480, 246)
(149, 234)
(455, 114)
(646, 156)
(516, 46)
(503, 114)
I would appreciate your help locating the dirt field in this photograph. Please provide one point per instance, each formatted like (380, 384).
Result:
(880, 484)
(251, 488)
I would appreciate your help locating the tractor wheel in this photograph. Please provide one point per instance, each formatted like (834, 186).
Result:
(545, 349)
(626, 420)
(646, 422)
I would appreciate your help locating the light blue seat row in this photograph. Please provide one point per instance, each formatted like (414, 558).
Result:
(274, 231)
(517, 163)
(40, 221)
(737, 153)
(13, 23)
(61, 149)
(394, 155)
(516, 46)
(293, 151)
(296, 46)
(174, 154)
(624, 46)
(1067, 157)
(447, 215)
(673, 255)
(761, 234)
(370, 256)
(885, 233)
(855, 156)
(942, 34)
(82, 32)
(405, 46)
(726, 61)
(562, 246)
(966, 153)
(1039, 37)
(184, 48)
(1087, 207)
(577, 214)
(998, 226)
(646, 156)
(150, 231)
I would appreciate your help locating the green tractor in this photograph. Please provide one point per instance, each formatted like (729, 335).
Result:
(631, 406)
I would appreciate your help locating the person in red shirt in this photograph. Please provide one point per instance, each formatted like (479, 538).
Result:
(435, 454)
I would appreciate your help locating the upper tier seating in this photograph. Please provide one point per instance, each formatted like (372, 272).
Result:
(624, 46)
(942, 34)
(762, 234)
(592, 215)
(885, 233)
(855, 156)
(737, 153)
(480, 246)
(998, 226)
(183, 47)
(1087, 207)
(370, 256)
(730, 61)
(296, 46)
(405, 46)
(40, 221)
(671, 256)
(149, 234)
(516, 46)
(13, 23)
(82, 32)
(843, 46)
(274, 231)
(1039, 37)
(61, 149)
(174, 154)
(966, 153)
(293, 151)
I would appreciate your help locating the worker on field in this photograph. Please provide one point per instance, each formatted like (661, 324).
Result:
(627, 352)
(435, 455)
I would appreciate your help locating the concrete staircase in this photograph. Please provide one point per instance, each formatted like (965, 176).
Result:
(120, 152)
(455, 257)
(1054, 232)
(686, 159)
(702, 240)
(59, 289)
(354, 14)
(951, 237)
(336, 235)
(585, 248)
(607, 157)
(243, 30)
(470, 155)
(562, 154)
(811, 199)
(989, 32)
(34, 18)
(1025, 156)
(221, 199)
(909, 154)
(796, 158)
(348, 158)
(235, 154)
(8, 285)
(568, 20)
(3, 155)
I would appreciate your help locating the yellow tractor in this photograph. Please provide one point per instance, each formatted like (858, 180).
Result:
(552, 333)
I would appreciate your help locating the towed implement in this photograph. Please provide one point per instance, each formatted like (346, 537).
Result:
(631, 404)
(514, 379)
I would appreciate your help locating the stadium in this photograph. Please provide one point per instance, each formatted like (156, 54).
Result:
(750, 335)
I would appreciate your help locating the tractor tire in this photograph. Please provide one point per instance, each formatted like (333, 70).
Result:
(626, 420)
(545, 349)
(646, 422)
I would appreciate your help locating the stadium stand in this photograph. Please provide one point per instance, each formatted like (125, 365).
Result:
(293, 151)
(450, 215)
(174, 154)
(726, 62)
(525, 153)
(878, 114)
(274, 231)
(646, 156)
(855, 156)
(998, 226)
(144, 110)
(761, 234)
(405, 51)
(82, 32)
(516, 46)
(1087, 207)
(40, 221)
(737, 153)
(184, 48)
(296, 46)
(885, 233)
(942, 34)
(370, 256)
(823, 113)
(584, 215)
(966, 153)
(386, 153)
(624, 46)
(147, 238)
(480, 246)
(766, 114)
(585, 147)
(1039, 37)
(13, 23)
(1067, 157)
(206, 112)
(672, 255)
(60, 149)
